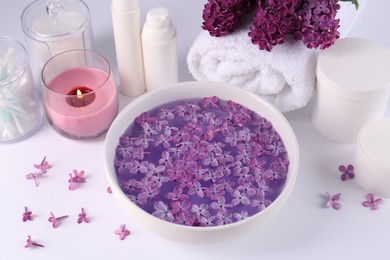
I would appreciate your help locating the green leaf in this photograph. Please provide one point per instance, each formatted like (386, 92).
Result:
(355, 2)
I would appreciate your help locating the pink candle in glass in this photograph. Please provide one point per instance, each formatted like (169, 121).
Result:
(80, 101)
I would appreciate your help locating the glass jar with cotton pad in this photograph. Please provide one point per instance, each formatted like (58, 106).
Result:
(20, 112)
(353, 87)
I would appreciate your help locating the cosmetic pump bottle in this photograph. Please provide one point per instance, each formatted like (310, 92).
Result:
(159, 49)
(126, 22)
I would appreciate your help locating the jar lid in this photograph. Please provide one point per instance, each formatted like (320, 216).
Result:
(374, 141)
(53, 20)
(355, 68)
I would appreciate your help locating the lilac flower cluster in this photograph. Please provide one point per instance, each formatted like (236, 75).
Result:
(273, 20)
(318, 23)
(201, 162)
(312, 21)
(221, 17)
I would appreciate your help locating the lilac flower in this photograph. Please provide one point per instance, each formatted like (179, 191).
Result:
(166, 114)
(240, 216)
(246, 188)
(210, 160)
(212, 175)
(220, 204)
(232, 107)
(164, 140)
(244, 135)
(210, 102)
(181, 110)
(185, 181)
(34, 176)
(56, 220)
(276, 148)
(129, 186)
(184, 219)
(43, 166)
(166, 159)
(318, 25)
(193, 106)
(76, 179)
(347, 172)
(160, 125)
(193, 128)
(260, 203)
(122, 166)
(372, 202)
(214, 191)
(174, 171)
(333, 201)
(148, 129)
(27, 215)
(148, 192)
(138, 167)
(125, 151)
(226, 184)
(196, 188)
(273, 20)
(245, 175)
(240, 198)
(177, 194)
(262, 187)
(159, 179)
(207, 220)
(198, 172)
(30, 243)
(180, 206)
(232, 139)
(263, 123)
(142, 141)
(200, 210)
(82, 217)
(223, 218)
(221, 17)
(145, 118)
(213, 123)
(192, 116)
(122, 232)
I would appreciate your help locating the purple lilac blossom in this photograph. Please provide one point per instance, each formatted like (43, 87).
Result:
(318, 24)
(273, 20)
(225, 166)
(222, 17)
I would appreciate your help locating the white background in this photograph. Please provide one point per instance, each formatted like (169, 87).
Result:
(303, 229)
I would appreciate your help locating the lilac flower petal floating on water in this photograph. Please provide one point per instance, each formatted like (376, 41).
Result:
(372, 202)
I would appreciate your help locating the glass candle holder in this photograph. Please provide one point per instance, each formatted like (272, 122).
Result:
(79, 95)
(55, 26)
(20, 111)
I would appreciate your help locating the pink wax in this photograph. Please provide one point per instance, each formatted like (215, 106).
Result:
(81, 122)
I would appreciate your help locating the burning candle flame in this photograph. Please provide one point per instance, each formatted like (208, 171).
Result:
(79, 94)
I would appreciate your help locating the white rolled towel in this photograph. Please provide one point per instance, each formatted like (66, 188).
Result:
(285, 77)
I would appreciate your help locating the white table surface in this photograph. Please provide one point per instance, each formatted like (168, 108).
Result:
(303, 229)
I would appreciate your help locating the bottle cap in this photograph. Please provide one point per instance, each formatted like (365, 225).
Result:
(158, 26)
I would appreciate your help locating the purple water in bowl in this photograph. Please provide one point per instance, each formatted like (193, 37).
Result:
(201, 162)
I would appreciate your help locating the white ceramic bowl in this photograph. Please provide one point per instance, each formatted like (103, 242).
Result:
(187, 90)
